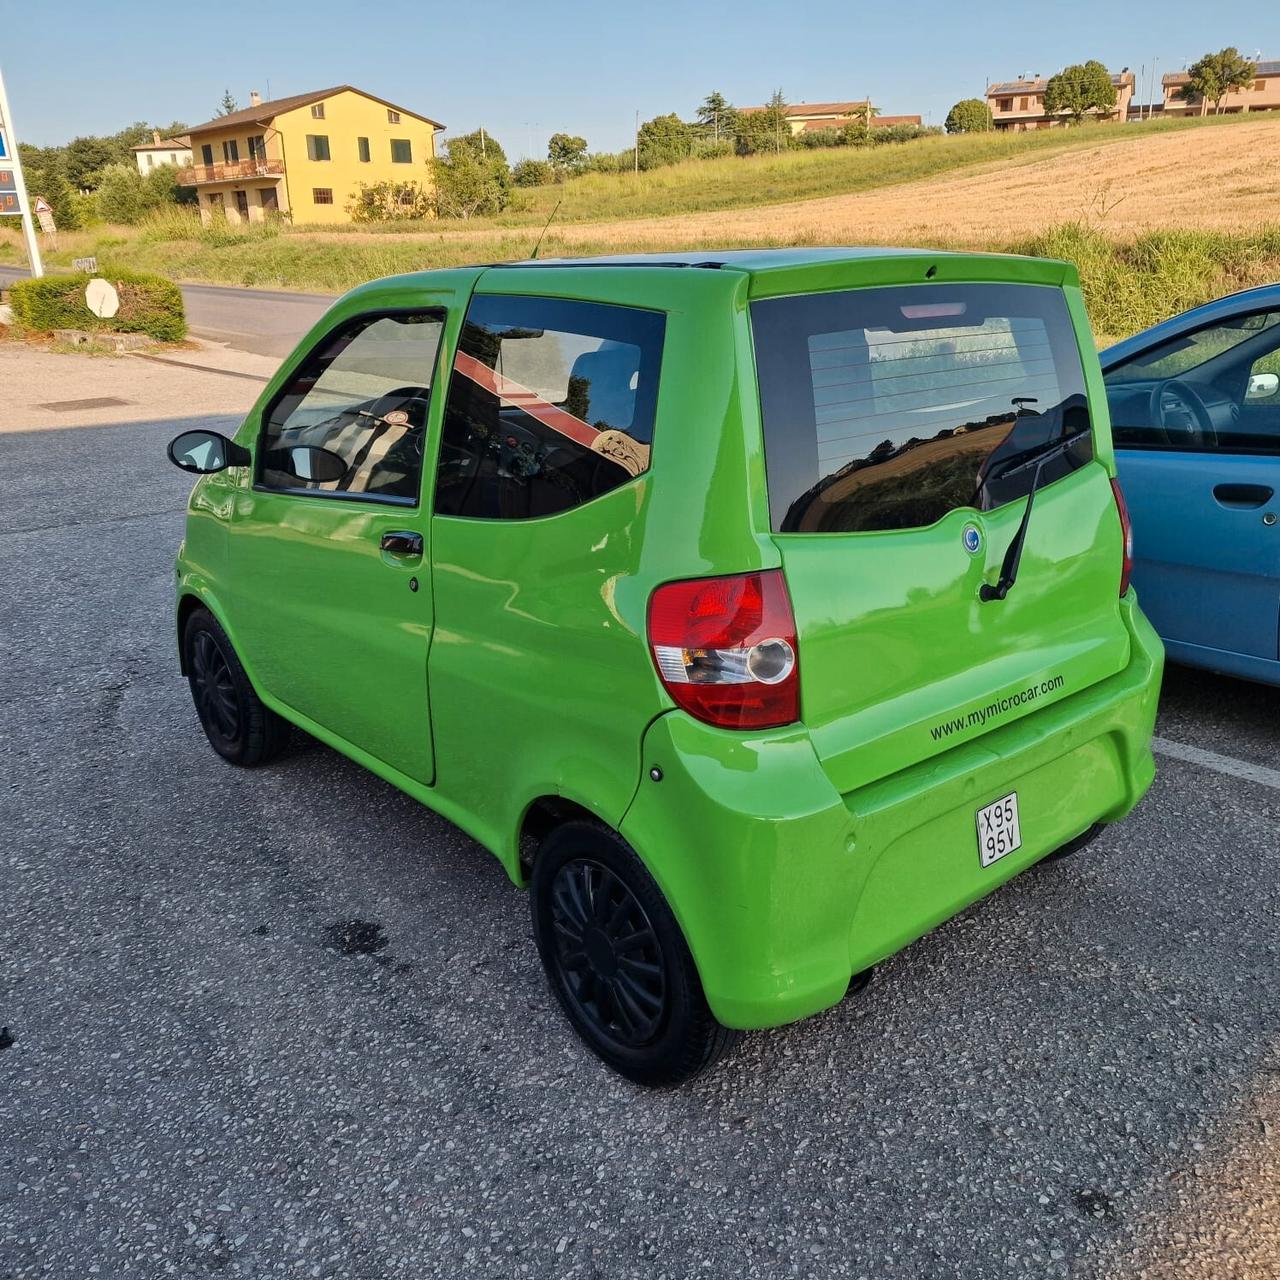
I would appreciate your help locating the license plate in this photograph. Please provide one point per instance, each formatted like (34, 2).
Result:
(999, 831)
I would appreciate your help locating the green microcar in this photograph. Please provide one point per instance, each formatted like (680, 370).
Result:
(758, 610)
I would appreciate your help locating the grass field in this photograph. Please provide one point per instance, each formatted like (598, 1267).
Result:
(1157, 217)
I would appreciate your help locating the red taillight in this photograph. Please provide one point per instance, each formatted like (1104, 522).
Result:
(1126, 532)
(725, 649)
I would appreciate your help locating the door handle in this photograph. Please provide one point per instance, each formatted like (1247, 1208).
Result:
(1247, 496)
(402, 542)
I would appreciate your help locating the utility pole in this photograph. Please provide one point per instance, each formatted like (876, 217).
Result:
(483, 149)
(11, 162)
(1151, 96)
(637, 148)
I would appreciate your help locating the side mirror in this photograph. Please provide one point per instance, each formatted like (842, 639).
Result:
(1262, 386)
(310, 463)
(205, 452)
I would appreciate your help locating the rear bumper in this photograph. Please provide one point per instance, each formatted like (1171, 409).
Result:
(785, 888)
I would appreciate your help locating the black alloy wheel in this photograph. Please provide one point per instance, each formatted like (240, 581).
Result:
(608, 953)
(214, 692)
(617, 961)
(239, 726)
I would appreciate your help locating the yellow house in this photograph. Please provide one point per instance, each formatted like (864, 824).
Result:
(305, 156)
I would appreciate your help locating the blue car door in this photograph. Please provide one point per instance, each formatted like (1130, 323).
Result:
(1207, 547)
(1197, 429)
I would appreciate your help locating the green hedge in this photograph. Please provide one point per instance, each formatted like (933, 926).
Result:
(148, 304)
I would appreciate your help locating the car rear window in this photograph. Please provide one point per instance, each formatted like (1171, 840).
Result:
(887, 408)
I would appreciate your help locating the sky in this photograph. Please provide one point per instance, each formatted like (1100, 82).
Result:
(525, 71)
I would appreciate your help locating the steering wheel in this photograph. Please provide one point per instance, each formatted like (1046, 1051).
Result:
(1177, 409)
(411, 401)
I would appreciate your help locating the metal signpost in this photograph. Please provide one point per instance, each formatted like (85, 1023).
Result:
(14, 202)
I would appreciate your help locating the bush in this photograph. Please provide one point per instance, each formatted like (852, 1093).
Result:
(121, 196)
(391, 202)
(160, 186)
(903, 133)
(817, 139)
(148, 304)
(532, 173)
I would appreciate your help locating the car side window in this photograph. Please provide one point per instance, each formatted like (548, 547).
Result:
(351, 422)
(551, 404)
(1214, 389)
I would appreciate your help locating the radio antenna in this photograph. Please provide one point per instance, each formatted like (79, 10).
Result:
(538, 246)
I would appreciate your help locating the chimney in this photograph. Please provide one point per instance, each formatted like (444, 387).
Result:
(255, 98)
(155, 136)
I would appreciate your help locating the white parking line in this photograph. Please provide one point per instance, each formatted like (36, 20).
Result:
(1219, 764)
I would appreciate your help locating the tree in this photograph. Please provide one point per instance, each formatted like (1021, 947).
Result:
(1214, 76)
(121, 197)
(765, 130)
(664, 140)
(566, 152)
(1079, 90)
(85, 158)
(470, 183)
(532, 173)
(49, 183)
(488, 150)
(227, 105)
(717, 116)
(969, 115)
(857, 133)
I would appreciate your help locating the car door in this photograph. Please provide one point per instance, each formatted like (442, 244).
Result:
(331, 594)
(1196, 420)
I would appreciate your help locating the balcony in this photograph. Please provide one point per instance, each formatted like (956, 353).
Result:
(231, 171)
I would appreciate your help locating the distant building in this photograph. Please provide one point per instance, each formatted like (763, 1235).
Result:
(1262, 95)
(161, 151)
(306, 155)
(803, 117)
(1018, 105)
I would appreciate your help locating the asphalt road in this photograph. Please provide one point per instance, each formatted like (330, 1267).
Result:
(1077, 1077)
(263, 321)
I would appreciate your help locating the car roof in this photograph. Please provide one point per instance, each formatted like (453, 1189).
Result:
(743, 259)
(771, 272)
(1233, 304)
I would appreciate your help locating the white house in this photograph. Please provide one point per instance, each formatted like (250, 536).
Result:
(161, 151)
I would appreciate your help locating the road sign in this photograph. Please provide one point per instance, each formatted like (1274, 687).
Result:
(85, 264)
(15, 202)
(44, 215)
(101, 298)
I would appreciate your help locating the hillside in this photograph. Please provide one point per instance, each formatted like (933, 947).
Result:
(1125, 181)
(1157, 217)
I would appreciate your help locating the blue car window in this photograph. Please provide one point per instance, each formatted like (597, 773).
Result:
(1214, 390)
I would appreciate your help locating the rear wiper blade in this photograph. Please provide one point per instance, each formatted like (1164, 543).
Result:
(1013, 556)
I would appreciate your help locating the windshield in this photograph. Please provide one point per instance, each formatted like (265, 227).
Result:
(887, 408)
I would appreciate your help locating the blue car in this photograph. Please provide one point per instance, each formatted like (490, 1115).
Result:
(1195, 411)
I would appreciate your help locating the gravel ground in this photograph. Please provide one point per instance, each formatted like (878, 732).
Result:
(210, 1068)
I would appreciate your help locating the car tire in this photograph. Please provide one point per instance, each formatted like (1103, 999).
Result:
(617, 960)
(1081, 841)
(240, 728)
